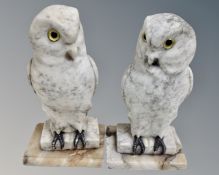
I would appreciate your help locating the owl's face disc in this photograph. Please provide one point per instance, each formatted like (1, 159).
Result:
(166, 43)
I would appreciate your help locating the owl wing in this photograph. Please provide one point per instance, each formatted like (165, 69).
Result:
(188, 84)
(95, 71)
(29, 74)
(124, 79)
(190, 75)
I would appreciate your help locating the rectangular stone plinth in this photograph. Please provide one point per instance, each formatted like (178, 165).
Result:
(91, 135)
(140, 162)
(34, 155)
(125, 140)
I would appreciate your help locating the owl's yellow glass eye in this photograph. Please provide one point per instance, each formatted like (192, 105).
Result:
(169, 43)
(144, 37)
(53, 35)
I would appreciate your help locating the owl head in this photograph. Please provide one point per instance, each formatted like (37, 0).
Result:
(166, 43)
(56, 33)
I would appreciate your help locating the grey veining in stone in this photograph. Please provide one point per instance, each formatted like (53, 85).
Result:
(124, 141)
(154, 90)
(61, 73)
(91, 134)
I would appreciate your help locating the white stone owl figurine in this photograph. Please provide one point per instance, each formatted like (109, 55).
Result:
(61, 72)
(160, 78)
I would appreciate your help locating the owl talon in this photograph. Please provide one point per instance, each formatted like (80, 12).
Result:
(58, 137)
(159, 143)
(138, 146)
(79, 137)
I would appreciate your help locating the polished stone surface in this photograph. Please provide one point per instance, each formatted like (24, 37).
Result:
(61, 72)
(143, 162)
(68, 158)
(159, 79)
(125, 140)
(91, 135)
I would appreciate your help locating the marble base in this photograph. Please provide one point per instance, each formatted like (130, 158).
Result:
(34, 155)
(124, 140)
(91, 135)
(142, 162)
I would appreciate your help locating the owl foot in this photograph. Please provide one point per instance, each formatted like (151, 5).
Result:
(79, 136)
(58, 137)
(138, 147)
(159, 143)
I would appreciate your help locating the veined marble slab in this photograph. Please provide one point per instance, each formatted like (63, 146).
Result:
(142, 162)
(34, 155)
(125, 140)
(91, 135)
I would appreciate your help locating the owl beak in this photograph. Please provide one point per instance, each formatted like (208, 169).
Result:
(70, 55)
(152, 62)
(156, 62)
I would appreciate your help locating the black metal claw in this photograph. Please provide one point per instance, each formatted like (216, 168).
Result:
(79, 137)
(58, 137)
(159, 143)
(138, 144)
(83, 138)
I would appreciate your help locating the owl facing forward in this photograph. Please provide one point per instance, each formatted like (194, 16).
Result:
(61, 72)
(160, 78)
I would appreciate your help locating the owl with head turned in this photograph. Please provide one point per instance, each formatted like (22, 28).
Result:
(159, 79)
(61, 72)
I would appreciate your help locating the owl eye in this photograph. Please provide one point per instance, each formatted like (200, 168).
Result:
(53, 35)
(144, 37)
(169, 43)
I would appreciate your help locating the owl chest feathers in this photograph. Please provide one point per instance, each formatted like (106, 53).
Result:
(64, 83)
(153, 92)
